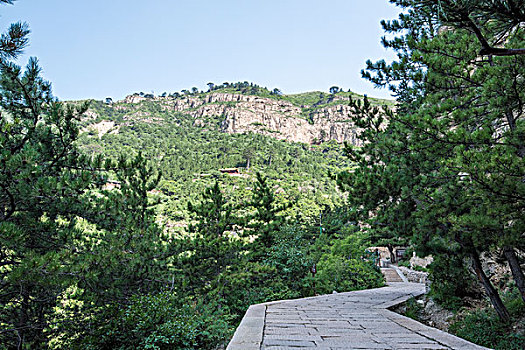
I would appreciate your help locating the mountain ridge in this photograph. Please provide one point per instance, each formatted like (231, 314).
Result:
(312, 117)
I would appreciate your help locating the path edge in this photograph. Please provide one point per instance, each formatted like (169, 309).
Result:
(249, 334)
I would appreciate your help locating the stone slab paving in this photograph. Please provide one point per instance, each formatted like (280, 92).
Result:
(391, 275)
(352, 320)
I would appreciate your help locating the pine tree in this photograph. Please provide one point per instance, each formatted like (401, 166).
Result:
(63, 238)
(211, 247)
(377, 189)
(450, 159)
(266, 219)
(40, 182)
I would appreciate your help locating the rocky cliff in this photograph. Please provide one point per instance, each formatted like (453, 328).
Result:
(279, 116)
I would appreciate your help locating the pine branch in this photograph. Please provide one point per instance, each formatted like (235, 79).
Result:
(494, 51)
(14, 41)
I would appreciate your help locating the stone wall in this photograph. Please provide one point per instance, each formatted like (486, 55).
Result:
(414, 276)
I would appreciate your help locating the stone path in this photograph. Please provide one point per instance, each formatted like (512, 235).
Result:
(391, 275)
(352, 320)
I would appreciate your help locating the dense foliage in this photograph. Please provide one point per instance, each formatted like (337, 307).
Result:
(85, 258)
(484, 327)
(159, 321)
(64, 240)
(98, 250)
(445, 169)
(190, 158)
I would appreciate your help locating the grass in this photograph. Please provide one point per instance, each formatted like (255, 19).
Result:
(483, 326)
(303, 99)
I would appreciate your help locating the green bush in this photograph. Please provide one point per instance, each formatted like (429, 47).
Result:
(451, 281)
(291, 259)
(412, 309)
(336, 273)
(252, 283)
(351, 246)
(161, 321)
(420, 268)
(404, 263)
(484, 328)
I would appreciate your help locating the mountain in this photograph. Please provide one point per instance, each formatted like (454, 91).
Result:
(294, 140)
(311, 118)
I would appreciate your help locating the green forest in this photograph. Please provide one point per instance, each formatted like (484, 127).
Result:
(159, 233)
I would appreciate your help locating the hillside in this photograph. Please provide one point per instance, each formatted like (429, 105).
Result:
(294, 140)
(312, 117)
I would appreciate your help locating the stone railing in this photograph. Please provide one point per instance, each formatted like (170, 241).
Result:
(414, 276)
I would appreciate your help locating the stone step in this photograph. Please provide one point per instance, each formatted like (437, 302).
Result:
(391, 275)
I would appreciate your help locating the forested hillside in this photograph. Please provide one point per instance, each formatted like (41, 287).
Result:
(155, 221)
(165, 226)
(190, 150)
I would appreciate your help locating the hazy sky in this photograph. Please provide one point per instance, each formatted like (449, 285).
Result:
(111, 48)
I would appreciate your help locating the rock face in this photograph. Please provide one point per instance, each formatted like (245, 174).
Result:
(101, 128)
(331, 123)
(238, 113)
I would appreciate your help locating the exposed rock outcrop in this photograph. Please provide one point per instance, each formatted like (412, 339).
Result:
(102, 128)
(240, 113)
(279, 119)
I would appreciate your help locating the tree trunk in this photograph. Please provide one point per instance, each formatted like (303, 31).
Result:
(512, 126)
(515, 267)
(391, 251)
(494, 297)
(23, 318)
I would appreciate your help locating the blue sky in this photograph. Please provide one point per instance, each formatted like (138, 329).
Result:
(111, 48)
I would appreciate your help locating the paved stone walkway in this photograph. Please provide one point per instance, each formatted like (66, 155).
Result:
(352, 320)
(391, 275)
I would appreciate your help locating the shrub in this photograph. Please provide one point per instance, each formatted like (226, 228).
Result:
(451, 281)
(336, 273)
(404, 263)
(290, 258)
(252, 283)
(161, 321)
(484, 328)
